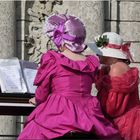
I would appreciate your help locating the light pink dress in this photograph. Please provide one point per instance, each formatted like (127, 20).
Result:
(64, 100)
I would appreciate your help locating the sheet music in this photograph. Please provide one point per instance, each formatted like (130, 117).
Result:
(17, 76)
(29, 75)
(29, 70)
(11, 79)
(8, 73)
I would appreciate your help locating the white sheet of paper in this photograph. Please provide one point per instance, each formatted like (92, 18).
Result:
(29, 75)
(11, 79)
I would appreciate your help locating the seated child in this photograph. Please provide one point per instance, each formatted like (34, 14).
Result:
(117, 86)
(64, 81)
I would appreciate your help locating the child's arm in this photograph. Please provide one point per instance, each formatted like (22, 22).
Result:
(44, 76)
(114, 93)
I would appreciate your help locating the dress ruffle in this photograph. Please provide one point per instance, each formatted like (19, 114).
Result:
(120, 101)
(124, 82)
(90, 64)
(87, 65)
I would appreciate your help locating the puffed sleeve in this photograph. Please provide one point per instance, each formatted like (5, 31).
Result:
(45, 73)
(100, 72)
(113, 103)
(114, 93)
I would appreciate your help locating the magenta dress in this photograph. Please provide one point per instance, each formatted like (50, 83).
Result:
(63, 100)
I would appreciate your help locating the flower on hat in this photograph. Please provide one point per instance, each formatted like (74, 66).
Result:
(101, 41)
(111, 44)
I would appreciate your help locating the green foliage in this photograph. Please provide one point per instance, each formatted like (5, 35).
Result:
(102, 41)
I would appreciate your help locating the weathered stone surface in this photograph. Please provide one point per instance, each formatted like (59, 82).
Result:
(7, 49)
(18, 8)
(22, 24)
(7, 29)
(125, 10)
(135, 50)
(35, 41)
(136, 65)
(7, 126)
(20, 123)
(19, 29)
(110, 26)
(18, 43)
(129, 30)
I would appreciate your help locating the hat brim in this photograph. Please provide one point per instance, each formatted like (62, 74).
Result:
(75, 47)
(109, 52)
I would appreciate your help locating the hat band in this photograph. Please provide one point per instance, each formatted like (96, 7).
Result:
(124, 48)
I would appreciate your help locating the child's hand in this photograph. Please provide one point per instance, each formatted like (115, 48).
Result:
(32, 101)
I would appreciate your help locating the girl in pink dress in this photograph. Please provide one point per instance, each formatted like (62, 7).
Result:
(64, 80)
(117, 85)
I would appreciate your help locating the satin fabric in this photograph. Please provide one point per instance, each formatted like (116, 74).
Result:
(120, 101)
(66, 29)
(63, 100)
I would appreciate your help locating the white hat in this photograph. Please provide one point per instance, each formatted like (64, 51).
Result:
(111, 44)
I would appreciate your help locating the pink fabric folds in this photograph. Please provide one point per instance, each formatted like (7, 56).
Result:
(120, 101)
(64, 100)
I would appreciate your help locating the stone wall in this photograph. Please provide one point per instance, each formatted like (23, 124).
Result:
(7, 49)
(22, 25)
(123, 17)
(7, 29)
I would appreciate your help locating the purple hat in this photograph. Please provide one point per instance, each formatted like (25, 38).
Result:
(66, 29)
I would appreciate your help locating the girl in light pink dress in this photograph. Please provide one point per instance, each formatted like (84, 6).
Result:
(64, 81)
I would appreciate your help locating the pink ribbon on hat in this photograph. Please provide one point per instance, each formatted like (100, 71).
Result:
(125, 48)
(59, 35)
